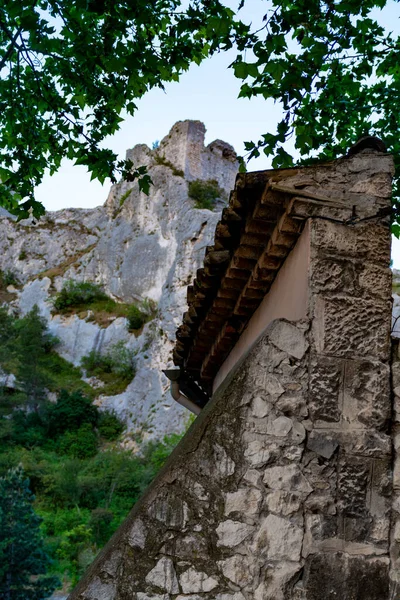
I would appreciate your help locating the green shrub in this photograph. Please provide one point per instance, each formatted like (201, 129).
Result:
(8, 278)
(29, 429)
(109, 426)
(95, 364)
(205, 193)
(22, 255)
(81, 443)
(116, 368)
(71, 412)
(136, 318)
(63, 375)
(122, 360)
(156, 452)
(118, 360)
(78, 293)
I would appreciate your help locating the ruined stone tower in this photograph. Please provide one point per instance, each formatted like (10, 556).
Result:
(283, 487)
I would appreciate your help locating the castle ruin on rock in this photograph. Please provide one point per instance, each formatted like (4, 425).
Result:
(287, 486)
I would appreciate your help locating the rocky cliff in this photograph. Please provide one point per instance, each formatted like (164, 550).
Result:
(138, 248)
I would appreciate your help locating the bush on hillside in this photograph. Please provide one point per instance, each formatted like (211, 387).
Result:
(205, 193)
(78, 293)
(8, 278)
(118, 360)
(136, 318)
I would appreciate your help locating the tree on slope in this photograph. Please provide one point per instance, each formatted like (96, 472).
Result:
(32, 341)
(23, 560)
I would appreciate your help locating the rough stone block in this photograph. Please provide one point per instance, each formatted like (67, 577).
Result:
(188, 547)
(368, 443)
(163, 576)
(367, 394)
(354, 476)
(322, 443)
(283, 503)
(379, 185)
(279, 581)
(252, 477)
(193, 582)
(279, 539)
(239, 569)
(370, 241)
(171, 511)
(260, 408)
(321, 475)
(331, 274)
(325, 384)
(246, 501)
(98, 590)
(375, 280)
(351, 327)
(232, 533)
(318, 528)
(396, 377)
(137, 534)
(288, 477)
(259, 452)
(289, 339)
(335, 576)
(292, 405)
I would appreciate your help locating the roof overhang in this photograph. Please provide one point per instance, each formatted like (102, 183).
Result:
(265, 216)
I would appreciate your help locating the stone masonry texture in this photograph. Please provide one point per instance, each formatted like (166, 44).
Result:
(282, 488)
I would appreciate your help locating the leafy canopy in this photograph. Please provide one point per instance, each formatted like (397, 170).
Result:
(68, 69)
(335, 72)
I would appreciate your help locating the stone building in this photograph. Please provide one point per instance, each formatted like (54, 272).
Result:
(287, 486)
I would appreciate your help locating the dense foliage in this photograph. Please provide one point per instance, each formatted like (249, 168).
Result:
(23, 559)
(136, 317)
(8, 278)
(67, 69)
(205, 193)
(83, 481)
(84, 484)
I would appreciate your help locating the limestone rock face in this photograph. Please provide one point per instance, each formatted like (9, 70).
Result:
(137, 247)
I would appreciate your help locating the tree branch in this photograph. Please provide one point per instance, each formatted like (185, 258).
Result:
(13, 44)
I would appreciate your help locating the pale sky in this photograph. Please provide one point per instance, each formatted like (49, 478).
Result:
(207, 93)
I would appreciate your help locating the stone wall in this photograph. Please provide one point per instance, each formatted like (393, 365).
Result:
(282, 488)
(226, 516)
(348, 518)
(272, 498)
